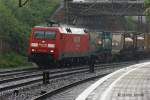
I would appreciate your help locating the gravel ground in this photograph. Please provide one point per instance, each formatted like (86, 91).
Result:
(21, 73)
(72, 93)
(28, 92)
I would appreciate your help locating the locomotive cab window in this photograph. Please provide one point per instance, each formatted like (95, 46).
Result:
(39, 34)
(50, 35)
(44, 35)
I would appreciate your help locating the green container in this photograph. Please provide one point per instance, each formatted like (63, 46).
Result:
(102, 42)
(107, 41)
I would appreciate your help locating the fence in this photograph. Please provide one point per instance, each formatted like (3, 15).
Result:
(4, 45)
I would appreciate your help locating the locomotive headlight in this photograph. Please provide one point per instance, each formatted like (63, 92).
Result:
(52, 51)
(51, 45)
(34, 44)
(99, 42)
(33, 50)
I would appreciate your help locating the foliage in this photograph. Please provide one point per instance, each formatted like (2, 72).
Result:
(147, 11)
(12, 60)
(16, 22)
(147, 3)
(131, 25)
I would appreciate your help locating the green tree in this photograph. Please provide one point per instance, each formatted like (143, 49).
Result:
(16, 22)
(147, 11)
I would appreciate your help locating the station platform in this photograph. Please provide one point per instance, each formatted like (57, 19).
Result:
(130, 83)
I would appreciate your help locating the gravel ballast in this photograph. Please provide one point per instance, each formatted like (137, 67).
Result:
(36, 89)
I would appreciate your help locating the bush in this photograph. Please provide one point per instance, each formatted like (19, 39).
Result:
(12, 60)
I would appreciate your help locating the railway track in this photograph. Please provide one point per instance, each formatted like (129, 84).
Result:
(17, 72)
(61, 89)
(33, 74)
(12, 83)
(17, 82)
(13, 75)
(69, 86)
(33, 87)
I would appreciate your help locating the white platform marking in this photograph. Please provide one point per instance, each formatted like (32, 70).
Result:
(110, 87)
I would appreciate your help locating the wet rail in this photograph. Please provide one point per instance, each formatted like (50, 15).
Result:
(54, 92)
(20, 81)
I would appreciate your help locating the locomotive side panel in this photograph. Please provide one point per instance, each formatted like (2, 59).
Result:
(74, 45)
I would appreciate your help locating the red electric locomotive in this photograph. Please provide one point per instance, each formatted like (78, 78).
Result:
(58, 46)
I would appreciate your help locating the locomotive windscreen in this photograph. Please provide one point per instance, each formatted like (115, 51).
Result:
(44, 35)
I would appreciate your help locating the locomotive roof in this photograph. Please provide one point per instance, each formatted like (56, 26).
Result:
(65, 30)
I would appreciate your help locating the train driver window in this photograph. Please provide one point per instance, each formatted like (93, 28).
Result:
(38, 34)
(50, 35)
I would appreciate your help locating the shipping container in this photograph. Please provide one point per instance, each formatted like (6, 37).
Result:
(117, 42)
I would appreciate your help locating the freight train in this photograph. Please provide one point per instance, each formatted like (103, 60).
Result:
(61, 46)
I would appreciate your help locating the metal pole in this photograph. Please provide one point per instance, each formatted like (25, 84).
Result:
(66, 10)
(136, 51)
(91, 64)
(124, 36)
(46, 77)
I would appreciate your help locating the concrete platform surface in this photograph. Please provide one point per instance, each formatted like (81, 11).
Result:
(131, 83)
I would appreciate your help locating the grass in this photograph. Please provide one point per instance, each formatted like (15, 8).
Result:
(13, 60)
